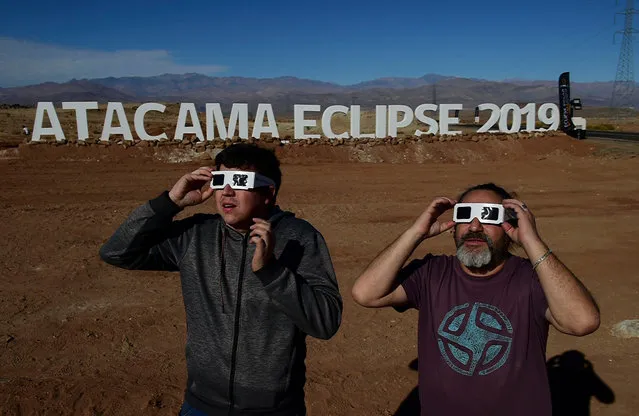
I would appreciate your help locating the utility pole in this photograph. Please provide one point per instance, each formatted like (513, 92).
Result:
(624, 86)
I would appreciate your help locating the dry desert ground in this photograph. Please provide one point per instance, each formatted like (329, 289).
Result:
(80, 337)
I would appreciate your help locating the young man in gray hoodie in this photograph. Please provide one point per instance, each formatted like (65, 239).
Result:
(256, 281)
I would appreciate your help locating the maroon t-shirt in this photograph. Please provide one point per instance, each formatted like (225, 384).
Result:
(481, 341)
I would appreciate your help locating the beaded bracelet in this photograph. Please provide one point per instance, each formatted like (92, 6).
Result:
(542, 258)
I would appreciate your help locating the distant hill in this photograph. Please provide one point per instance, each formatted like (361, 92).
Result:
(400, 83)
(196, 86)
(283, 92)
(74, 90)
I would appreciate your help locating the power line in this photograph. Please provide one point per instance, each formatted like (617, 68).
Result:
(624, 86)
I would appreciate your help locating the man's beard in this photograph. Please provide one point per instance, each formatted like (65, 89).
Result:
(478, 257)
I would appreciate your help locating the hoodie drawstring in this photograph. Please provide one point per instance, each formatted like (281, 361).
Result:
(223, 269)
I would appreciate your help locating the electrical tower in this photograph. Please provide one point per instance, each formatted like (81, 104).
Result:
(624, 86)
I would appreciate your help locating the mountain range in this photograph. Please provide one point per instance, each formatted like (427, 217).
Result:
(283, 92)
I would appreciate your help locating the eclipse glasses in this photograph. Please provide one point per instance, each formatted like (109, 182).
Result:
(239, 179)
(486, 213)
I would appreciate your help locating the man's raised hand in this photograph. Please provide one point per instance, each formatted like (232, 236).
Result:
(427, 225)
(192, 188)
(525, 233)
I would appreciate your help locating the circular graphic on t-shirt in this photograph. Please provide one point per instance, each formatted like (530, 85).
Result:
(475, 339)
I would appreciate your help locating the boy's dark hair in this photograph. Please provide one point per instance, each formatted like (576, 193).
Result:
(251, 156)
(486, 187)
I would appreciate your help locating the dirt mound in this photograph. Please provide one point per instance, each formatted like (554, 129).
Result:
(442, 150)
(509, 148)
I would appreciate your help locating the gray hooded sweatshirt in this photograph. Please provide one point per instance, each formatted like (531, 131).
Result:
(246, 331)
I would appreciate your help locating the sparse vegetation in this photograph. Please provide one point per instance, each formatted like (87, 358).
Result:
(13, 106)
(602, 126)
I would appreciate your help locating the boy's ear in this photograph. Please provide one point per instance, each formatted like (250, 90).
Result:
(270, 194)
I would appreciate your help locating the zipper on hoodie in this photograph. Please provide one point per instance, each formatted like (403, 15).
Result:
(236, 326)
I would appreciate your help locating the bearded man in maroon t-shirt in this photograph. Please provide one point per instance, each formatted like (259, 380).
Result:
(484, 313)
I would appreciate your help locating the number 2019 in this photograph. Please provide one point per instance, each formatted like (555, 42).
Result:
(548, 114)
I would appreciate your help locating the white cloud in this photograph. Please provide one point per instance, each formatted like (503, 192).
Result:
(26, 62)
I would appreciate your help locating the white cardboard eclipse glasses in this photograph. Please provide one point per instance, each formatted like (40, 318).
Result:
(239, 179)
(486, 213)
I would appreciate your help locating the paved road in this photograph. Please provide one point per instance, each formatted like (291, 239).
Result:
(613, 135)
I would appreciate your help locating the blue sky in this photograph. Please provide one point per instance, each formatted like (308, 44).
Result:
(336, 41)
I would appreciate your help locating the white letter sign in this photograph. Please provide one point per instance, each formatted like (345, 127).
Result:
(300, 124)
(109, 129)
(138, 120)
(388, 119)
(271, 127)
(326, 121)
(81, 108)
(39, 130)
